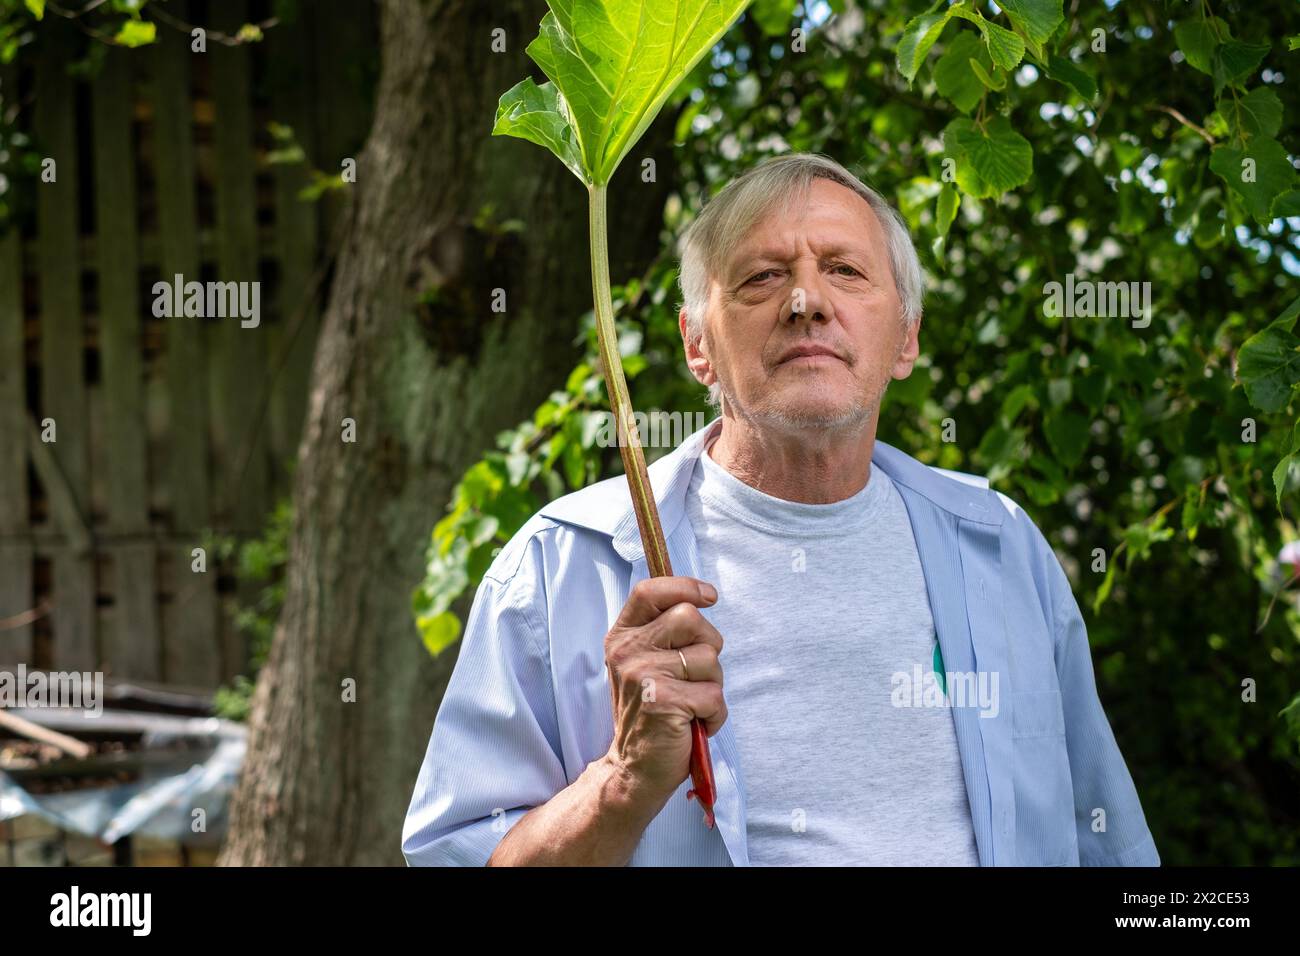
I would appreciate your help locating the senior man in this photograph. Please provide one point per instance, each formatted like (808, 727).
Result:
(907, 675)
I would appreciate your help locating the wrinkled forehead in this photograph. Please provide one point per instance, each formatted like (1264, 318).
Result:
(829, 216)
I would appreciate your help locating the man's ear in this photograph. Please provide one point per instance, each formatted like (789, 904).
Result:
(697, 359)
(911, 349)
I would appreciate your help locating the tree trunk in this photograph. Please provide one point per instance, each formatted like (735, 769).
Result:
(411, 351)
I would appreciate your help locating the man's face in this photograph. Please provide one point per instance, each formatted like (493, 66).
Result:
(803, 328)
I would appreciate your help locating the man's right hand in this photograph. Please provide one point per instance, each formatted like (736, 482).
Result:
(599, 818)
(654, 702)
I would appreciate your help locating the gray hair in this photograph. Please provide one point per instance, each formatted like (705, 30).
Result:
(784, 181)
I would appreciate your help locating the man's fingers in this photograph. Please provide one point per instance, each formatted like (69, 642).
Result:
(702, 663)
(680, 626)
(704, 699)
(653, 596)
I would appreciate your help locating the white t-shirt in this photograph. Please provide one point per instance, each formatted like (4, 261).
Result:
(820, 606)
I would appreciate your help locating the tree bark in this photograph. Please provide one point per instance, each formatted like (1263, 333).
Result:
(411, 351)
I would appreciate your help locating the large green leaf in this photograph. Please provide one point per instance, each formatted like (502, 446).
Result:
(1283, 468)
(611, 65)
(953, 74)
(1006, 48)
(1036, 19)
(1257, 113)
(536, 113)
(1236, 60)
(1063, 70)
(990, 159)
(919, 35)
(1260, 173)
(1198, 40)
(1268, 364)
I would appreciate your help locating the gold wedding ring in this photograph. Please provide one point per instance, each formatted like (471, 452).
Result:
(685, 670)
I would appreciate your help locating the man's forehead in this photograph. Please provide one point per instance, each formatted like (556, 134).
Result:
(840, 235)
(834, 217)
(787, 246)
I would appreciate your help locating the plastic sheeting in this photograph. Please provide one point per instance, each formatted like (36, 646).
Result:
(197, 769)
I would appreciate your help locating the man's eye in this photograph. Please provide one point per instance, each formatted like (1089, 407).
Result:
(851, 270)
(758, 276)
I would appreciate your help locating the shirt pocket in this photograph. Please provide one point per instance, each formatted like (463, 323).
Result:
(1037, 714)
(1046, 833)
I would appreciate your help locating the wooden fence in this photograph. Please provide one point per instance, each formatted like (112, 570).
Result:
(163, 427)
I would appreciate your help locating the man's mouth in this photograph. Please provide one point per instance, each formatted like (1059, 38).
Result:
(809, 354)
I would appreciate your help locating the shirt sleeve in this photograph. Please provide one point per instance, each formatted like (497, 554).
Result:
(494, 753)
(1097, 768)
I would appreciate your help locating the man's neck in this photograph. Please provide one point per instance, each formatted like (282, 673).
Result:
(813, 466)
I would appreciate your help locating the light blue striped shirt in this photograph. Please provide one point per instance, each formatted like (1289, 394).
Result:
(528, 706)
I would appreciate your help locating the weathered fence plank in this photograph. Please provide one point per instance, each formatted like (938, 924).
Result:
(191, 650)
(131, 648)
(343, 32)
(293, 338)
(238, 354)
(63, 388)
(238, 360)
(15, 540)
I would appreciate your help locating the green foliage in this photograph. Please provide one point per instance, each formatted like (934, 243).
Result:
(612, 64)
(991, 159)
(136, 32)
(258, 563)
(964, 71)
(236, 701)
(287, 151)
(919, 36)
(553, 453)
(1269, 362)
(117, 22)
(123, 23)
(773, 16)
(1268, 366)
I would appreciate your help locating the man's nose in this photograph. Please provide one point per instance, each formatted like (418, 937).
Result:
(808, 298)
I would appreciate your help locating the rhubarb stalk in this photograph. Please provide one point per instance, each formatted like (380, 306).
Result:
(611, 65)
(638, 478)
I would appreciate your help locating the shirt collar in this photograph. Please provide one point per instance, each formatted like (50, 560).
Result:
(606, 506)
